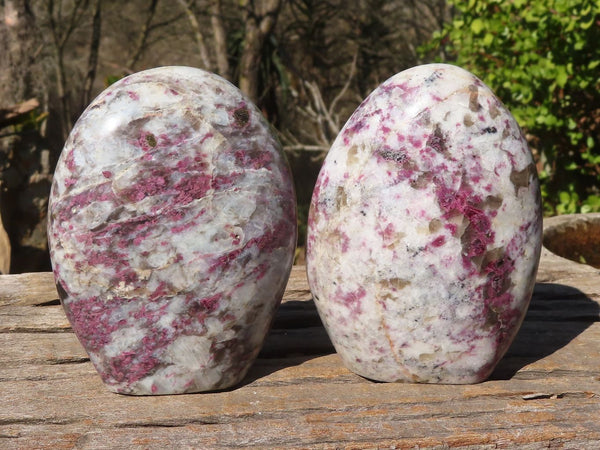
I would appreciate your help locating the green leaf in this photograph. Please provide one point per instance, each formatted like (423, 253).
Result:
(590, 142)
(572, 166)
(110, 79)
(488, 39)
(593, 201)
(585, 10)
(561, 76)
(593, 64)
(570, 68)
(477, 26)
(571, 124)
(586, 25)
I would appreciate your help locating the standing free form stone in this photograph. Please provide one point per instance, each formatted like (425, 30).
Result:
(172, 231)
(424, 232)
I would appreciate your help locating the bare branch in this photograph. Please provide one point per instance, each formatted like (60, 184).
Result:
(321, 115)
(165, 23)
(291, 144)
(93, 56)
(206, 63)
(260, 18)
(14, 113)
(340, 94)
(305, 148)
(220, 37)
(118, 67)
(60, 37)
(141, 43)
(325, 119)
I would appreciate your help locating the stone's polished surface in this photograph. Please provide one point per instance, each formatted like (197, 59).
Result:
(425, 230)
(172, 231)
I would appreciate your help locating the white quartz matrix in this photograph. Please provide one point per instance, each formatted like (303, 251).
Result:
(172, 231)
(425, 230)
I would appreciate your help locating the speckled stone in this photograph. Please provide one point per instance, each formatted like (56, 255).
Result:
(425, 230)
(172, 232)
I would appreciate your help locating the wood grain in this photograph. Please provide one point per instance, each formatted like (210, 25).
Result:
(545, 393)
(27, 289)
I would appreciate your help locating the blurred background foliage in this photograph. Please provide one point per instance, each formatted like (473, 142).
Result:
(307, 64)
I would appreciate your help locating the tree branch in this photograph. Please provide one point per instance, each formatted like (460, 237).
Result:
(93, 56)
(260, 20)
(206, 63)
(220, 37)
(139, 48)
(325, 118)
(14, 113)
(60, 37)
(340, 94)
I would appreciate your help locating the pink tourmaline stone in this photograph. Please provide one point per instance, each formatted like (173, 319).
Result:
(425, 230)
(172, 231)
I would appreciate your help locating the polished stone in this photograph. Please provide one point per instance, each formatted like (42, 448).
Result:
(425, 230)
(172, 231)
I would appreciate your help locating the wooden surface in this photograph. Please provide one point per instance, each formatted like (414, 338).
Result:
(544, 394)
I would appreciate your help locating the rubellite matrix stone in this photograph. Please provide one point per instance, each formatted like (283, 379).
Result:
(172, 231)
(425, 230)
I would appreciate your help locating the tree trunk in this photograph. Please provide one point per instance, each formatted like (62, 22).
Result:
(141, 44)
(24, 155)
(260, 17)
(220, 37)
(93, 56)
(200, 42)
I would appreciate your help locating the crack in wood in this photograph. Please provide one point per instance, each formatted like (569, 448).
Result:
(211, 420)
(558, 395)
(26, 330)
(55, 302)
(544, 375)
(349, 379)
(37, 421)
(76, 360)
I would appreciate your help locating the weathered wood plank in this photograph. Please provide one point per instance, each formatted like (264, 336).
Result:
(31, 289)
(39, 356)
(41, 401)
(556, 276)
(568, 345)
(319, 413)
(544, 393)
(27, 289)
(34, 319)
(206, 437)
(311, 431)
(555, 344)
(560, 375)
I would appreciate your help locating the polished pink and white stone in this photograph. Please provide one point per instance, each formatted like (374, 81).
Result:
(172, 229)
(425, 230)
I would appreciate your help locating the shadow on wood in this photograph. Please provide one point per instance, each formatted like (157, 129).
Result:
(297, 336)
(556, 316)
